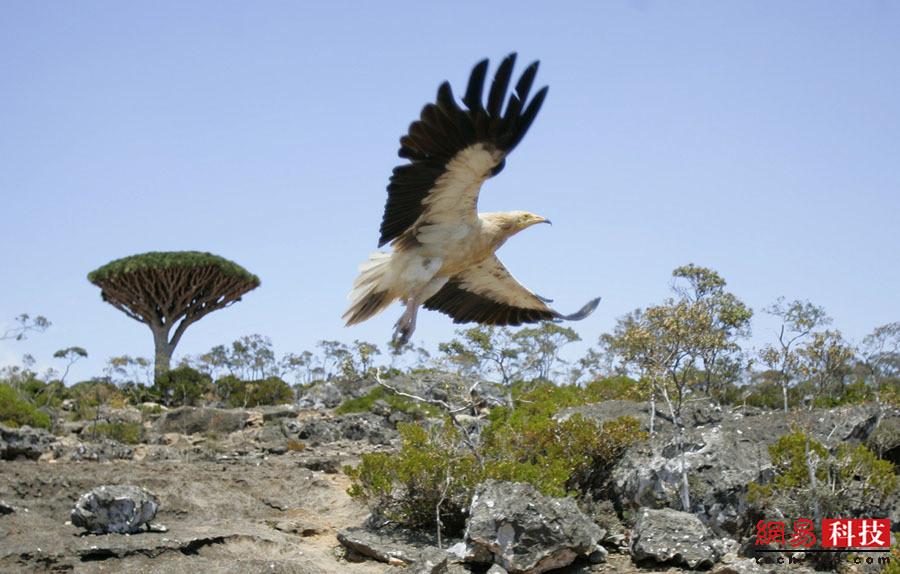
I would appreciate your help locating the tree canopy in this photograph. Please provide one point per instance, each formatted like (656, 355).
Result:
(161, 289)
(162, 260)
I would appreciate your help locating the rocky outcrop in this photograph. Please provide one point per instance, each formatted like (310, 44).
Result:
(724, 454)
(322, 395)
(671, 536)
(71, 448)
(24, 442)
(525, 531)
(115, 509)
(367, 427)
(194, 420)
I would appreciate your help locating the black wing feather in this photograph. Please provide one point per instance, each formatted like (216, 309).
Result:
(466, 307)
(445, 128)
(499, 86)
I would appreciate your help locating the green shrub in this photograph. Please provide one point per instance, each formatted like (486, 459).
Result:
(616, 388)
(893, 567)
(16, 412)
(525, 444)
(89, 395)
(364, 404)
(270, 391)
(852, 481)
(407, 486)
(889, 391)
(181, 386)
(124, 432)
(239, 393)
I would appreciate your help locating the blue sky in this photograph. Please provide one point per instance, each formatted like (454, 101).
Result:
(757, 138)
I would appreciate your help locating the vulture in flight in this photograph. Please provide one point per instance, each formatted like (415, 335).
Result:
(443, 250)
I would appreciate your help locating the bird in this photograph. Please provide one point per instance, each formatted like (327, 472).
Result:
(443, 252)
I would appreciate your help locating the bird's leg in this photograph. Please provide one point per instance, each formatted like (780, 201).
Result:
(404, 328)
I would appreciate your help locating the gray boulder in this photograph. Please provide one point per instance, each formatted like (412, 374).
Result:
(396, 546)
(277, 412)
(102, 450)
(329, 464)
(115, 509)
(355, 426)
(672, 536)
(366, 426)
(199, 420)
(271, 439)
(24, 442)
(313, 431)
(526, 531)
(722, 457)
(324, 395)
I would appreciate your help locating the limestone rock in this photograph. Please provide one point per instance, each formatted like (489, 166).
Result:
(24, 442)
(198, 420)
(115, 509)
(672, 536)
(526, 531)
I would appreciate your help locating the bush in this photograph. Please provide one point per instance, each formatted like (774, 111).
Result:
(407, 486)
(526, 444)
(893, 567)
(181, 386)
(889, 392)
(16, 412)
(616, 389)
(852, 481)
(238, 393)
(404, 405)
(271, 391)
(89, 395)
(124, 432)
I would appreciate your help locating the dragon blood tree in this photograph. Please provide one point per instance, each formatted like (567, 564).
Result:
(168, 291)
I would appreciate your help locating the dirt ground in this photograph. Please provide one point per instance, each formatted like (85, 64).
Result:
(265, 515)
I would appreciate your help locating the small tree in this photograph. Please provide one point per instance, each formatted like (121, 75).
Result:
(541, 346)
(303, 366)
(361, 361)
(169, 291)
(683, 345)
(25, 324)
(334, 356)
(880, 360)
(71, 355)
(485, 348)
(826, 362)
(798, 320)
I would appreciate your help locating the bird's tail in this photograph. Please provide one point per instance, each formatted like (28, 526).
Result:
(370, 294)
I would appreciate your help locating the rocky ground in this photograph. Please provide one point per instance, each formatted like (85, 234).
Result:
(260, 490)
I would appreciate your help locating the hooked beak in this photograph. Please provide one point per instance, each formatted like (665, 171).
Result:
(545, 220)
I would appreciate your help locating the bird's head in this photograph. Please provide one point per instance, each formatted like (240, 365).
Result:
(522, 219)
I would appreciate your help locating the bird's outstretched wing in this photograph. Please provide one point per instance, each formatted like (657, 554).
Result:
(489, 294)
(452, 150)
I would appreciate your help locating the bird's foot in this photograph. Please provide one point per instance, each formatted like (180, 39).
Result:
(402, 332)
(404, 328)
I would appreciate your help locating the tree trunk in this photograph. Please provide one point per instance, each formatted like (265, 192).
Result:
(784, 390)
(163, 356)
(813, 482)
(685, 485)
